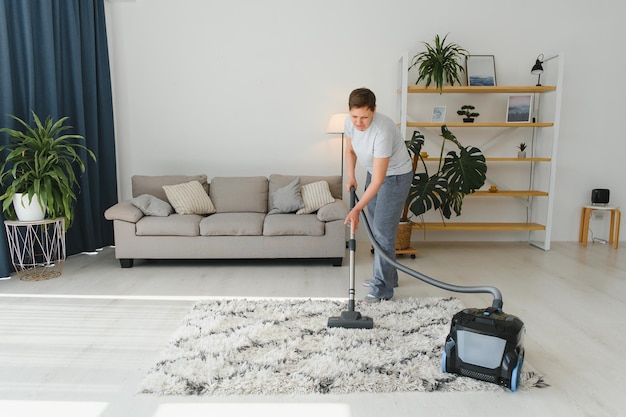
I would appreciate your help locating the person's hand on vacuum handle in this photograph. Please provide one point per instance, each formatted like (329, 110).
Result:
(352, 219)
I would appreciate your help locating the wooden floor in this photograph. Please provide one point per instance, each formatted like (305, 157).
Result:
(79, 345)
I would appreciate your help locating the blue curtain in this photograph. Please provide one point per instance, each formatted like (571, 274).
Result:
(54, 61)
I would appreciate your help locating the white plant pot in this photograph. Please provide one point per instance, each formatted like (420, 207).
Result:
(521, 154)
(28, 211)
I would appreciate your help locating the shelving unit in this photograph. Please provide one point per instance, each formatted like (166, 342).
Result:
(538, 198)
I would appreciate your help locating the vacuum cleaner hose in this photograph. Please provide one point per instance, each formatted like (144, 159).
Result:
(497, 295)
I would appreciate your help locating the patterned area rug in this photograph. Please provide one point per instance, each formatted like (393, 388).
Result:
(241, 347)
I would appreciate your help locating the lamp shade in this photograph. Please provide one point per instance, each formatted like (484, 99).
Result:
(336, 123)
(537, 68)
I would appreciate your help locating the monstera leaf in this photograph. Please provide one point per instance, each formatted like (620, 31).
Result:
(459, 173)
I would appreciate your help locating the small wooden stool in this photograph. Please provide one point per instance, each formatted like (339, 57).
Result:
(585, 216)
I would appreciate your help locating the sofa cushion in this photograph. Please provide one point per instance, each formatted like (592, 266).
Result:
(174, 225)
(239, 194)
(292, 225)
(232, 224)
(189, 198)
(315, 195)
(333, 211)
(152, 206)
(287, 199)
(153, 184)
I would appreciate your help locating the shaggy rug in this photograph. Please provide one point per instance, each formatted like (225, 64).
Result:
(240, 347)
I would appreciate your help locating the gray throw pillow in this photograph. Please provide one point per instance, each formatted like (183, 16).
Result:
(152, 206)
(287, 199)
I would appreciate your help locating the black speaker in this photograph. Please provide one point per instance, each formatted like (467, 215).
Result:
(600, 196)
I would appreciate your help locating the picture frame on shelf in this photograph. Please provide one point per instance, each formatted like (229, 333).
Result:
(480, 70)
(519, 108)
(439, 114)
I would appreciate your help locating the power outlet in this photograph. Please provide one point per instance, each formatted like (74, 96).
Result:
(597, 214)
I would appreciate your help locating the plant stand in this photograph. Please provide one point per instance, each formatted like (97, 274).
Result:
(403, 240)
(407, 251)
(37, 248)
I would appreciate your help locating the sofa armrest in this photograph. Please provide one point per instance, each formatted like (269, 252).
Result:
(125, 211)
(333, 211)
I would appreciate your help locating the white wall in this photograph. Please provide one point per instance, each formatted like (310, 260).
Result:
(246, 87)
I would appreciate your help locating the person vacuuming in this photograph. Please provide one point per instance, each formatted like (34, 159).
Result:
(375, 141)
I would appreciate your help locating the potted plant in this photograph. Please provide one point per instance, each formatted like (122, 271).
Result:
(458, 174)
(39, 163)
(522, 150)
(468, 111)
(439, 63)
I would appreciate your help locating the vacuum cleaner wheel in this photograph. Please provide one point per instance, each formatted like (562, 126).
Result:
(516, 374)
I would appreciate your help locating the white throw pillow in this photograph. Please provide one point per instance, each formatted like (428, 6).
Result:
(189, 198)
(315, 195)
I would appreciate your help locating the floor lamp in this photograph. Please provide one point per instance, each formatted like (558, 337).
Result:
(336, 126)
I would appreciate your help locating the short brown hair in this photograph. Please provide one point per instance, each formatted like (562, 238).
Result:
(362, 97)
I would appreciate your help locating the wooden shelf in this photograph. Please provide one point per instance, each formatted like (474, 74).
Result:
(518, 159)
(542, 132)
(478, 226)
(476, 125)
(509, 193)
(460, 89)
(502, 159)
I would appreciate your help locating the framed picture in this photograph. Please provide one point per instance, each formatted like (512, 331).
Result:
(519, 108)
(439, 114)
(480, 70)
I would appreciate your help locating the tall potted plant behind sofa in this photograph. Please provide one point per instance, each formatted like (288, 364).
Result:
(39, 162)
(457, 175)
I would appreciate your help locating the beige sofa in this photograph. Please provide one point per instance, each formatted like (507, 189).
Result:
(230, 218)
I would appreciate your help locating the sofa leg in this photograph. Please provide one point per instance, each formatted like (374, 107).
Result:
(126, 263)
(337, 261)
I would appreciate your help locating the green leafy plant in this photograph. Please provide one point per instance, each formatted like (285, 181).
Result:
(439, 63)
(458, 174)
(467, 111)
(40, 161)
(522, 146)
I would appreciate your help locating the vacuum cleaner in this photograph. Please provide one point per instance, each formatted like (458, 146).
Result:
(351, 319)
(483, 343)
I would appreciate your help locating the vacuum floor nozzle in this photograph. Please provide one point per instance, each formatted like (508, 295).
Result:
(351, 320)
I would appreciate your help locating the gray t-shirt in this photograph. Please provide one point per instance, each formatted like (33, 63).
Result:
(382, 139)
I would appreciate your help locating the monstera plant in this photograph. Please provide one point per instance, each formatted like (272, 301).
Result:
(460, 172)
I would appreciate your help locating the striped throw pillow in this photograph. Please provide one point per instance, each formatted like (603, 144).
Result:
(315, 195)
(189, 198)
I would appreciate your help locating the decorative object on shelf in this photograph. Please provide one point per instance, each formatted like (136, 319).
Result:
(439, 114)
(493, 189)
(439, 63)
(458, 174)
(467, 111)
(480, 70)
(41, 161)
(522, 150)
(336, 125)
(519, 108)
(537, 69)
(424, 155)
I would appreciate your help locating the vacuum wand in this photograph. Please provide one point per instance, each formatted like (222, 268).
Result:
(351, 319)
(497, 295)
